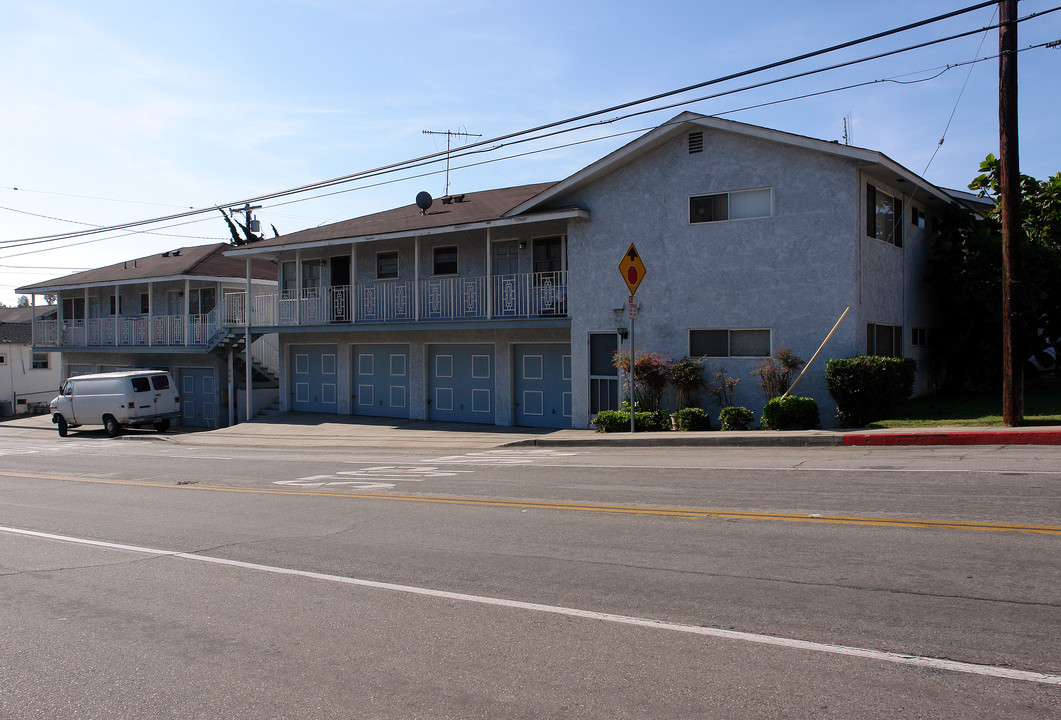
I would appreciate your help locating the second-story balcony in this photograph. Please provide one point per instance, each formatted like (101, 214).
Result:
(442, 299)
(131, 332)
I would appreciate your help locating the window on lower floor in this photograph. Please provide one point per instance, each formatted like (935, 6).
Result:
(917, 218)
(738, 205)
(884, 215)
(884, 340)
(40, 361)
(731, 342)
(3, 359)
(919, 337)
(445, 260)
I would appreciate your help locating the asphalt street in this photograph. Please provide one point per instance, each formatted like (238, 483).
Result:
(144, 577)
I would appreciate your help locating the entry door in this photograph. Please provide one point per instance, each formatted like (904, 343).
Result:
(461, 383)
(314, 378)
(381, 380)
(198, 394)
(505, 282)
(542, 385)
(339, 293)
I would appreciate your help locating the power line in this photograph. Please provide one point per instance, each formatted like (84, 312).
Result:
(510, 136)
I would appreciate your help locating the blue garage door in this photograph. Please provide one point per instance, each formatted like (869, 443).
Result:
(461, 383)
(198, 393)
(314, 378)
(381, 380)
(542, 385)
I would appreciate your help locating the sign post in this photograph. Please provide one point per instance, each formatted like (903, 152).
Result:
(633, 272)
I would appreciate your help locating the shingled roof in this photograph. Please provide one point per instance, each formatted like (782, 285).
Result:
(448, 212)
(202, 261)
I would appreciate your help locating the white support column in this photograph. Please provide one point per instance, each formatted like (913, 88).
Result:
(150, 314)
(353, 282)
(247, 350)
(187, 308)
(117, 312)
(416, 278)
(231, 389)
(298, 287)
(489, 276)
(33, 318)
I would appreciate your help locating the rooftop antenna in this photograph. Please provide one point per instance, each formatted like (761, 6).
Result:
(847, 129)
(450, 134)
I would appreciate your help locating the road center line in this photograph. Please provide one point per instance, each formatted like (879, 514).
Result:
(792, 643)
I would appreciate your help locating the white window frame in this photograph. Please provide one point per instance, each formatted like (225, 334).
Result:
(729, 205)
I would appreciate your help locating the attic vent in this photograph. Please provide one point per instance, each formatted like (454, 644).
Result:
(450, 199)
(696, 142)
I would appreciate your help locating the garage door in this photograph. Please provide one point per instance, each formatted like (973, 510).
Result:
(72, 370)
(461, 383)
(314, 386)
(542, 385)
(198, 393)
(381, 380)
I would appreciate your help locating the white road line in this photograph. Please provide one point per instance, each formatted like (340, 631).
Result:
(866, 654)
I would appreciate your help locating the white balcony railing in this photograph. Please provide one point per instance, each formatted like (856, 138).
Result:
(526, 295)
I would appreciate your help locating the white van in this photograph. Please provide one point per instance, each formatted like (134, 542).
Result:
(130, 398)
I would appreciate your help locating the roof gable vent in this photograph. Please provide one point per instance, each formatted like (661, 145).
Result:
(696, 142)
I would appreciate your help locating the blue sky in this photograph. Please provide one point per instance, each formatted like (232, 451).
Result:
(120, 111)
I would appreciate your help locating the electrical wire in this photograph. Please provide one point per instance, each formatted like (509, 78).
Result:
(510, 136)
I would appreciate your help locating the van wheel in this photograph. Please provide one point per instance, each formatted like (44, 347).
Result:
(162, 425)
(60, 422)
(112, 426)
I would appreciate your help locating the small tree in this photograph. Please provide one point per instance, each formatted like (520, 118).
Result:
(721, 388)
(23, 302)
(776, 372)
(685, 375)
(651, 375)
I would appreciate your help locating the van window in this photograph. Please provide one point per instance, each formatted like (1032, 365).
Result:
(161, 382)
(68, 388)
(141, 384)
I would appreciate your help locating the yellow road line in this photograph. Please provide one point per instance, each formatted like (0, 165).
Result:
(687, 513)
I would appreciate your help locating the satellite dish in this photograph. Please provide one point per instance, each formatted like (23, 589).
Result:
(424, 200)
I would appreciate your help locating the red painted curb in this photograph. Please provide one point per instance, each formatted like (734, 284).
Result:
(972, 437)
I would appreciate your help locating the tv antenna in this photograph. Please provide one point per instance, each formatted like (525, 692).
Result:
(450, 134)
(847, 129)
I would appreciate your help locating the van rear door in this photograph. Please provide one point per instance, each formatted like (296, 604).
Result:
(165, 395)
(143, 402)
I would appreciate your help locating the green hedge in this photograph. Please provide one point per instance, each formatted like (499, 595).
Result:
(867, 388)
(693, 419)
(735, 418)
(619, 421)
(792, 413)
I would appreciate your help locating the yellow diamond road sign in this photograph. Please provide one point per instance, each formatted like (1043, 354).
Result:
(632, 269)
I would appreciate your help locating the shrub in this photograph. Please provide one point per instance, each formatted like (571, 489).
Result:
(608, 421)
(735, 418)
(792, 413)
(867, 388)
(693, 419)
(775, 373)
(651, 375)
(721, 388)
(612, 421)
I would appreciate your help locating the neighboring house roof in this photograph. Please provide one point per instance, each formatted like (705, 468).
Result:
(875, 163)
(467, 211)
(25, 314)
(15, 333)
(200, 261)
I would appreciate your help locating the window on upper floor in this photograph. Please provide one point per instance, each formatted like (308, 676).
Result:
(387, 265)
(729, 342)
(74, 308)
(3, 359)
(736, 205)
(288, 277)
(918, 337)
(120, 304)
(202, 300)
(884, 340)
(884, 215)
(40, 361)
(548, 254)
(445, 260)
(312, 273)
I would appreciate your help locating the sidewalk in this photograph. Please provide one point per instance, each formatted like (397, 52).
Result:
(309, 430)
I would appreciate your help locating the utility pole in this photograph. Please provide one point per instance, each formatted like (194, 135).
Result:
(450, 134)
(247, 213)
(1009, 177)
